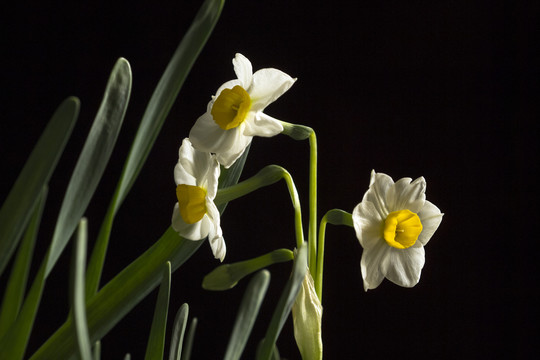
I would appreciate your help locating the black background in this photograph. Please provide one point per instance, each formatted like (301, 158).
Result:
(447, 90)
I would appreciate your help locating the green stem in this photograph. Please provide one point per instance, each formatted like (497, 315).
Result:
(334, 217)
(312, 234)
(301, 132)
(267, 176)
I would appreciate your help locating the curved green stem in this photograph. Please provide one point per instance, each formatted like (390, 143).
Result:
(267, 176)
(334, 217)
(301, 132)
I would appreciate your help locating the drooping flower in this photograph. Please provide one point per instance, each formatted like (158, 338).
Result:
(235, 113)
(195, 216)
(393, 223)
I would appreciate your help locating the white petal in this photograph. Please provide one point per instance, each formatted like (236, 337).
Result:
(263, 125)
(197, 231)
(193, 165)
(406, 195)
(243, 70)
(228, 85)
(239, 143)
(403, 266)
(268, 85)
(207, 136)
(377, 193)
(212, 178)
(372, 257)
(368, 224)
(215, 235)
(431, 218)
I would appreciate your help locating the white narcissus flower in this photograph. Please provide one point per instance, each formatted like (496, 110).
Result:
(235, 113)
(195, 216)
(393, 223)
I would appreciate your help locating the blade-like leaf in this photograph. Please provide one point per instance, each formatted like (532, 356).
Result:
(188, 344)
(13, 344)
(14, 294)
(97, 350)
(152, 121)
(78, 306)
(156, 341)
(93, 159)
(284, 305)
(179, 329)
(249, 309)
(166, 91)
(17, 209)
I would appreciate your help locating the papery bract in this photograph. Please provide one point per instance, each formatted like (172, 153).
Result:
(307, 320)
(195, 216)
(393, 223)
(235, 113)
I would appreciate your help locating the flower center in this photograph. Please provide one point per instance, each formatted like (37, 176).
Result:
(191, 202)
(402, 228)
(231, 107)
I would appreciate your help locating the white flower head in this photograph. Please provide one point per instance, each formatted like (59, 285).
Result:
(393, 223)
(195, 216)
(235, 113)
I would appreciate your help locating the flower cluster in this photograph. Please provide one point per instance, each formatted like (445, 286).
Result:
(219, 137)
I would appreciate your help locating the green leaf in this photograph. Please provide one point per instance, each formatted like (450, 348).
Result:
(14, 294)
(122, 293)
(226, 276)
(97, 350)
(152, 121)
(156, 340)
(284, 305)
(78, 306)
(13, 344)
(249, 309)
(188, 343)
(17, 209)
(179, 328)
(93, 159)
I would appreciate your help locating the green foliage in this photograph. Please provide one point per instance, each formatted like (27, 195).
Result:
(78, 308)
(21, 200)
(14, 294)
(249, 309)
(156, 340)
(179, 329)
(284, 305)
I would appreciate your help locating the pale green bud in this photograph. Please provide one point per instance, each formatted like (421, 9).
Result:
(307, 316)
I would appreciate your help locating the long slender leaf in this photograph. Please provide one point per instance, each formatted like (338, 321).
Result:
(93, 159)
(78, 306)
(284, 305)
(13, 344)
(130, 286)
(156, 111)
(188, 343)
(14, 294)
(247, 314)
(17, 209)
(179, 329)
(97, 350)
(156, 341)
